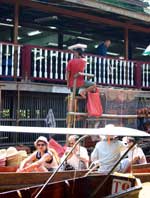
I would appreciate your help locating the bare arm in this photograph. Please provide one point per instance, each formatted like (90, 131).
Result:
(44, 158)
(67, 77)
(29, 159)
(83, 156)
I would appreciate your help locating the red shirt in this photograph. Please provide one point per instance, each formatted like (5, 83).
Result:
(74, 66)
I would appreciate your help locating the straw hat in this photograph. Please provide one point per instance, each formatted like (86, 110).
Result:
(42, 139)
(2, 152)
(22, 154)
(11, 151)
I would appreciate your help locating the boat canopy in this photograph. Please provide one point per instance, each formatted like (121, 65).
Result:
(107, 130)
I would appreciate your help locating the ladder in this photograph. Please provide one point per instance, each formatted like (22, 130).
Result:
(73, 101)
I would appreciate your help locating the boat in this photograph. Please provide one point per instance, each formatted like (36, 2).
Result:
(13, 180)
(7, 169)
(148, 158)
(10, 180)
(141, 168)
(73, 184)
(142, 171)
(144, 177)
(89, 186)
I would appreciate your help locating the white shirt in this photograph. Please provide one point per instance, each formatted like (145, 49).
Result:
(74, 160)
(137, 152)
(107, 154)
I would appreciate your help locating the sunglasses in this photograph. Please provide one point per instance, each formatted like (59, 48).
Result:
(40, 145)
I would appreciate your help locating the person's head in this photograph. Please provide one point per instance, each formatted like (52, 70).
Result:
(78, 53)
(41, 144)
(130, 141)
(72, 140)
(107, 43)
(146, 126)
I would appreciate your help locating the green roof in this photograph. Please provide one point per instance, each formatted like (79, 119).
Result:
(142, 6)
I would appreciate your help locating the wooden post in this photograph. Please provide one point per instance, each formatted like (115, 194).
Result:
(18, 105)
(126, 41)
(60, 40)
(138, 77)
(1, 86)
(16, 22)
(15, 37)
(15, 41)
(26, 62)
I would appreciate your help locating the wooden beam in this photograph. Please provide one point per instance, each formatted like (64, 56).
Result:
(15, 36)
(77, 15)
(126, 43)
(111, 9)
(16, 22)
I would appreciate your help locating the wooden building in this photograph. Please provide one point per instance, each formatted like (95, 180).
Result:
(34, 41)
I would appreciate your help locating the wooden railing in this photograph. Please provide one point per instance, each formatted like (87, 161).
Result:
(10, 60)
(46, 64)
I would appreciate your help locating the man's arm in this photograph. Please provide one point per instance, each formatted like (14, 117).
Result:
(68, 71)
(94, 155)
(84, 155)
(67, 77)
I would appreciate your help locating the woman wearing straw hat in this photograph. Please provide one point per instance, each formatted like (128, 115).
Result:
(42, 160)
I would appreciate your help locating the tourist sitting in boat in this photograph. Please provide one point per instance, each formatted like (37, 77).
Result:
(107, 152)
(42, 160)
(136, 154)
(75, 66)
(79, 158)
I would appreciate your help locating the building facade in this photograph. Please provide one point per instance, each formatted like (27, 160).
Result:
(34, 41)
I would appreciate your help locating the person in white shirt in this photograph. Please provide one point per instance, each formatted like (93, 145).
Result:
(136, 154)
(108, 153)
(79, 158)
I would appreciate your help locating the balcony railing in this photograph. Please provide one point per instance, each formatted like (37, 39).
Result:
(10, 60)
(45, 64)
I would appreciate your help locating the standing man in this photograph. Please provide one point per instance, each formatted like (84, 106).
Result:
(75, 66)
(102, 51)
(103, 47)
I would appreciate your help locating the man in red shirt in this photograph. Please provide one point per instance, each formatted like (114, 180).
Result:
(74, 66)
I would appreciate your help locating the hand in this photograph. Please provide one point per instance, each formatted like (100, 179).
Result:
(136, 159)
(67, 84)
(19, 170)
